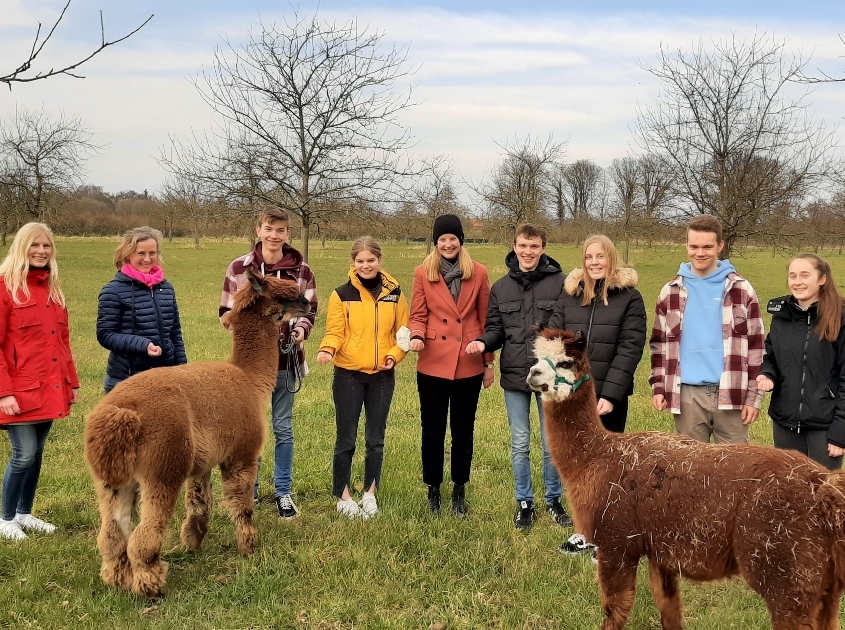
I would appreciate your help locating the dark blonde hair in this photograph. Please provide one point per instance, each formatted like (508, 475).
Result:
(130, 242)
(431, 264)
(271, 214)
(612, 257)
(15, 265)
(829, 311)
(366, 243)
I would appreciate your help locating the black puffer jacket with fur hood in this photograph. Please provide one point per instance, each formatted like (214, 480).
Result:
(616, 331)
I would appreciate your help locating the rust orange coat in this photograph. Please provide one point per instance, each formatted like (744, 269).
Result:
(446, 327)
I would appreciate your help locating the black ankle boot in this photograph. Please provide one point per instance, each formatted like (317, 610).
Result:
(459, 504)
(434, 498)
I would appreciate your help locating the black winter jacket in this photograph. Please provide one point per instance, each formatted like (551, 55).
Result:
(517, 302)
(130, 315)
(616, 333)
(808, 373)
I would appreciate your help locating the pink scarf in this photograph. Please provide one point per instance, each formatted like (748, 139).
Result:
(155, 276)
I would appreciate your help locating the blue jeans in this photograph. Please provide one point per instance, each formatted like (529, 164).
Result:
(282, 422)
(110, 382)
(21, 476)
(518, 405)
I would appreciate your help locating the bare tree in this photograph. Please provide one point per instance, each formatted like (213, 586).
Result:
(18, 75)
(436, 193)
(312, 104)
(42, 158)
(578, 188)
(518, 189)
(725, 131)
(824, 78)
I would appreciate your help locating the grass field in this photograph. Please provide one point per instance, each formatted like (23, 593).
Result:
(403, 569)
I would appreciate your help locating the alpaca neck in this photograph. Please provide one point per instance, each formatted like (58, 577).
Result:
(575, 432)
(255, 348)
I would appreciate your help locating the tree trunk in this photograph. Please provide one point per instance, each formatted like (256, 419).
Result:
(306, 235)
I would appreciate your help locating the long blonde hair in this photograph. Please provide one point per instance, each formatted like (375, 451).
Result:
(612, 257)
(15, 266)
(431, 264)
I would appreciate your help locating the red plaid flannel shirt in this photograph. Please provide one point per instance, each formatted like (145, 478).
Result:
(743, 340)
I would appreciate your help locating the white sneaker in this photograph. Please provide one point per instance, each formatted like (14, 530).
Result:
(33, 524)
(369, 505)
(11, 530)
(348, 508)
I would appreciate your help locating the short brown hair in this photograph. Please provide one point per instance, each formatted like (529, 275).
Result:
(706, 223)
(271, 214)
(527, 230)
(130, 242)
(366, 243)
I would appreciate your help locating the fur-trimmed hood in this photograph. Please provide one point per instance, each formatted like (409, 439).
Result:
(626, 278)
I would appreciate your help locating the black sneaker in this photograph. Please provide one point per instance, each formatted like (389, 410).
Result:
(434, 499)
(286, 507)
(525, 514)
(559, 514)
(459, 504)
(576, 545)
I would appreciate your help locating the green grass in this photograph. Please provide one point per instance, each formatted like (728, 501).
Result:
(404, 569)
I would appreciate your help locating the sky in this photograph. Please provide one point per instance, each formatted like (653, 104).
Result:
(487, 73)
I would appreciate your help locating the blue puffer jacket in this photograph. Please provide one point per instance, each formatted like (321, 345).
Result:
(130, 315)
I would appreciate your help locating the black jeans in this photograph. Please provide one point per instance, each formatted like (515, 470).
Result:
(812, 443)
(351, 390)
(616, 419)
(458, 399)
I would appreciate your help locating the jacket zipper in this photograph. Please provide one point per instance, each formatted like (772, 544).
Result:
(803, 374)
(590, 324)
(375, 310)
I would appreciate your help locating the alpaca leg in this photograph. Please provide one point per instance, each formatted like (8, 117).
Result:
(198, 501)
(158, 502)
(115, 516)
(827, 615)
(665, 588)
(237, 497)
(618, 581)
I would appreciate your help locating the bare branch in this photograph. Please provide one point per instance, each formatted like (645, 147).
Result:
(14, 76)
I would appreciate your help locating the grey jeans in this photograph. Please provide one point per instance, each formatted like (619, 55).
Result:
(351, 391)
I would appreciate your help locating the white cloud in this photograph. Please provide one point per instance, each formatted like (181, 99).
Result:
(482, 79)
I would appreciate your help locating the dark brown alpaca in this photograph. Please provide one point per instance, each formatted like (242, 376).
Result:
(167, 425)
(695, 510)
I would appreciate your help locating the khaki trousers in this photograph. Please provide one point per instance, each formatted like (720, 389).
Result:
(701, 418)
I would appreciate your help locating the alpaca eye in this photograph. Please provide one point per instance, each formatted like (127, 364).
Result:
(566, 365)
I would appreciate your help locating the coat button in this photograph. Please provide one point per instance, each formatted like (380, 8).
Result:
(459, 321)
(444, 321)
(52, 332)
(459, 338)
(443, 337)
(55, 359)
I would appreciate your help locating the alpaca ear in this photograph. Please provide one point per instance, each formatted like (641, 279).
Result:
(259, 286)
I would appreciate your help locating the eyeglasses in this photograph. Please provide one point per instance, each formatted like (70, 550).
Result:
(142, 255)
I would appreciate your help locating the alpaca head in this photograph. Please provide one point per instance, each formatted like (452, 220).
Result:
(562, 366)
(272, 297)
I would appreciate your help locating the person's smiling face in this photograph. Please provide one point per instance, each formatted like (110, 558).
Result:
(449, 246)
(145, 256)
(40, 251)
(367, 264)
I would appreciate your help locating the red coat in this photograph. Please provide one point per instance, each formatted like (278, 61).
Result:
(446, 327)
(36, 364)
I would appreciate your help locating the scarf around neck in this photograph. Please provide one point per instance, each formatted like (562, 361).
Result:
(151, 279)
(451, 272)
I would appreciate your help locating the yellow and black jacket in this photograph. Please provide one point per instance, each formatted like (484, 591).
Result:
(360, 330)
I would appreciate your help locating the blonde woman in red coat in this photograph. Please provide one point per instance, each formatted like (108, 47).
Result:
(448, 310)
(38, 381)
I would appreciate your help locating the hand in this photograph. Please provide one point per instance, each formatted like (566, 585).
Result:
(658, 401)
(475, 347)
(297, 334)
(388, 364)
(324, 357)
(153, 350)
(604, 406)
(9, 405)
(834, 451)
(489, 377)
(416, 345)
(764, 383)
(74, 395)
(749, 414)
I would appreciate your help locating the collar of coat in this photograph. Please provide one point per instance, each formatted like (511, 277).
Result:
(625, 278)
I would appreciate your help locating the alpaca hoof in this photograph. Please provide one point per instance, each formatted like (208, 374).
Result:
(149, 582)
(193, 533)
(246, 542)
(117, 574)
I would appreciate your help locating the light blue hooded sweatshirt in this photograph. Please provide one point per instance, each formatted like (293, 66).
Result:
(702, 350)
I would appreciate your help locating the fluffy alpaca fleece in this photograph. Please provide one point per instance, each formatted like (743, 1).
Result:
(695, 510)
(167, 425)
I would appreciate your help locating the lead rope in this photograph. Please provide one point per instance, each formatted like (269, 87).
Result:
(289, 350)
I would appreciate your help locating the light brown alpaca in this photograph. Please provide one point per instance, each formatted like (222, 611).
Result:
(695, 510)
(163, 426)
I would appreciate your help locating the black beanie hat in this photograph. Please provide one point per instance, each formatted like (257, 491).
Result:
(448, 224)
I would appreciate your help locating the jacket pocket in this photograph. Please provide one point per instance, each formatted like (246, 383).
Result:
(740, 319)
(430, 333)
(27, 393)
(511, 314)
(545, 308)
(25, 316)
